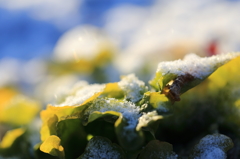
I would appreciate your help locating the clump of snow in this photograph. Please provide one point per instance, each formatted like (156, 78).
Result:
(81, 95)
(212, 147)
(194, 65)
(144, 120)
(129, 110)
(132, 87)
(100, 148)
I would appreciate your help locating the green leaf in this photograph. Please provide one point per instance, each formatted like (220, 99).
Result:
(159, 81)
(129, 138)
(125, 115)
(158, 150)
(102, 148)
(73, 137)
(212, 146)
(160, 103)
(96, 114)
(50, 117)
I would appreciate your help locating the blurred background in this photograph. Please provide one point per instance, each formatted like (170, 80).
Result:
(51, 43)
(47, 46)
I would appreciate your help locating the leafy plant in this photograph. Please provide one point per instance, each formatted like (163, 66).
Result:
(127, 119)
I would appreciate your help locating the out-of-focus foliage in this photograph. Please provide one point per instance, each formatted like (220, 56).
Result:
(16, 113)
(84, 50)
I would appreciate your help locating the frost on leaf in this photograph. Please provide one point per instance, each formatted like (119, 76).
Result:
(133, 88)
(176, 77)
(102, 148)
(212, 147)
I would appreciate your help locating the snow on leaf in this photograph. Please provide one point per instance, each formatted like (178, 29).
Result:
(82, 95)
(176, 77)
(125, 125)
(195, 65)
(133, 88)
(148, 118)
(102, 148)
(128, 109)
(212, 147)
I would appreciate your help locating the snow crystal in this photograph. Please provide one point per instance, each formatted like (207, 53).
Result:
(83, 94)
(195, 65)
(133, 87)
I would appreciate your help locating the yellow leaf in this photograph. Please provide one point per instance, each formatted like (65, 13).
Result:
(112, 90)
(52, 145)
(6, 95)
(10, 137)
(160, 102)
(228, 73)
(52, 115)
(19, 110)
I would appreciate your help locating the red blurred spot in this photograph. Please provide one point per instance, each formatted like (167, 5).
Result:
(212, 48)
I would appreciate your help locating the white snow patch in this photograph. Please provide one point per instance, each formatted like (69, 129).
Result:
(82, 95)
(195, 65)
(133, 87)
